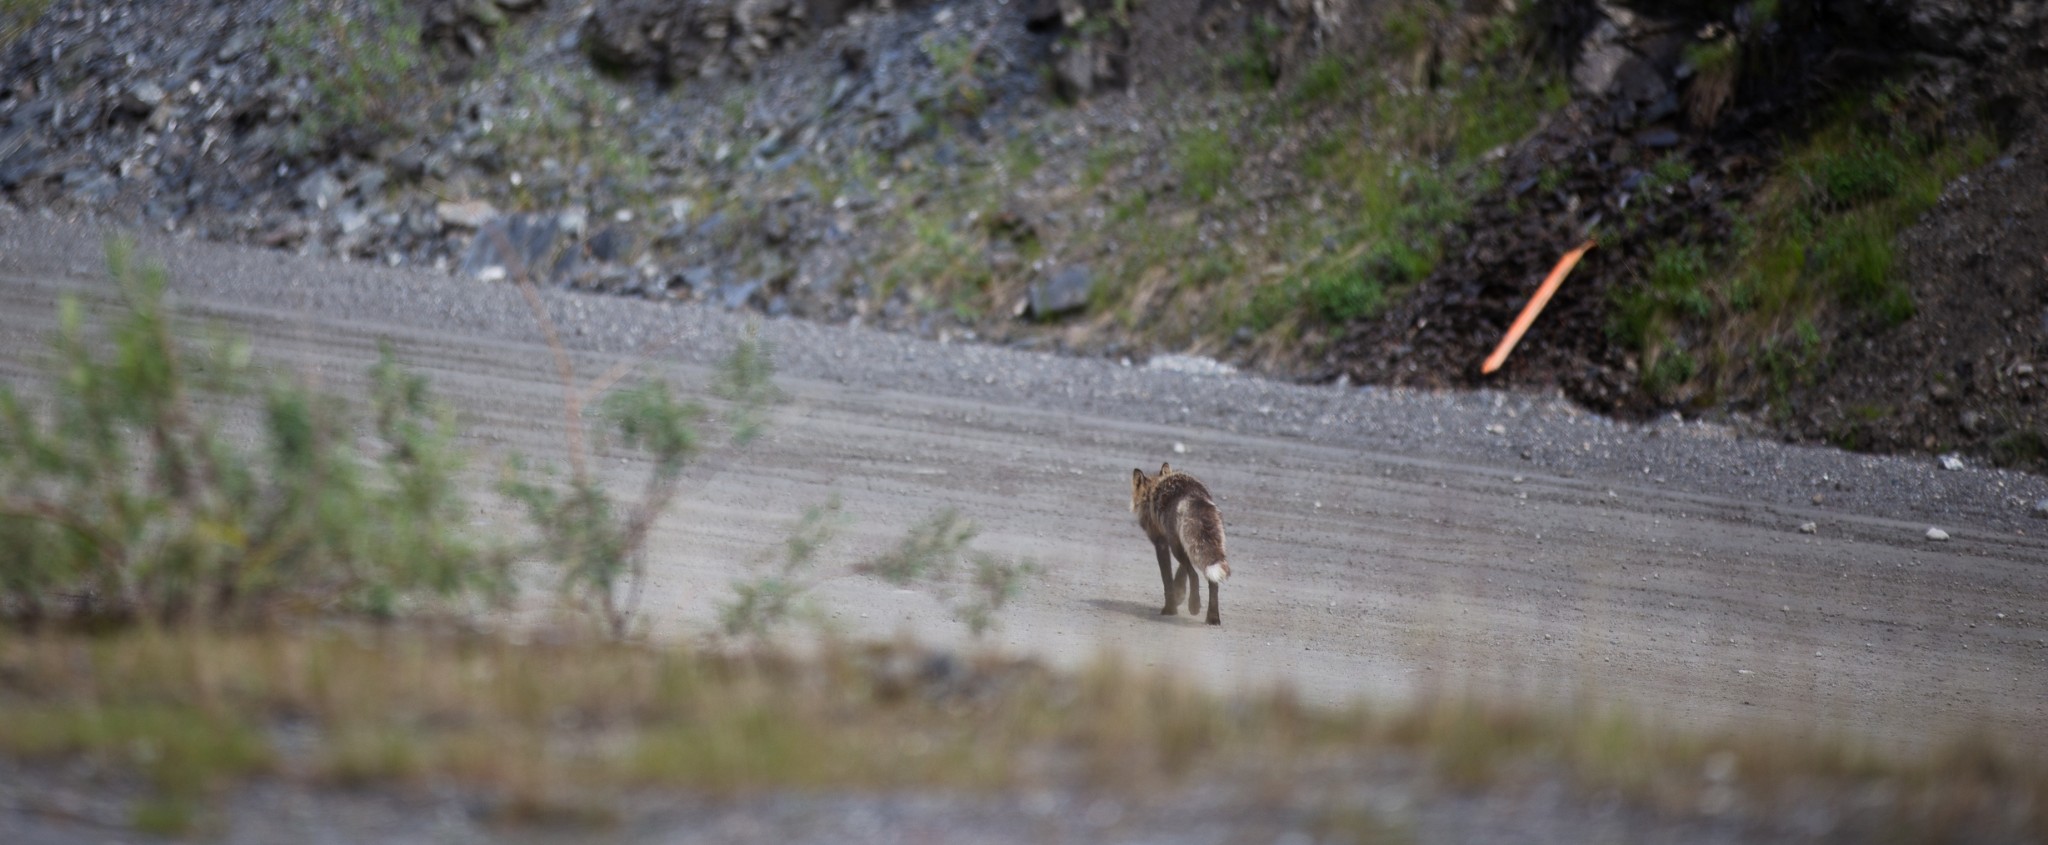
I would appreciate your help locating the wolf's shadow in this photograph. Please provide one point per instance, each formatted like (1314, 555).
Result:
(1149, 612)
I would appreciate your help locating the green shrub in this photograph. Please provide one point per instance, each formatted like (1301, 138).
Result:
(572, 118)
(126, 498)
(1339, 295)
(958, 60)
(1270, 303)
(1406, 29)
(763, 604)
(1861, 171)
(1668, 368)
(364, 63)
(1206, 162)
(1642, 316)
(934, 553)
(1253, 64)
(1856, 256)
(1324, 80)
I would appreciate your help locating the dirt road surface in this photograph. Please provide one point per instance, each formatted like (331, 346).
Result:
(1383, 542)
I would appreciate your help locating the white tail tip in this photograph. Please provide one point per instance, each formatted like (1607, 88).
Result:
(1216, 573)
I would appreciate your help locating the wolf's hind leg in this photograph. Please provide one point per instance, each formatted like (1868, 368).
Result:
(1171, 579)
(1189, 577)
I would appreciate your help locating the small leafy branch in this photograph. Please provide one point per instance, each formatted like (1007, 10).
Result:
(600, 547)
(959, 62)
(763, 604)
(935, 551)
(125, 499)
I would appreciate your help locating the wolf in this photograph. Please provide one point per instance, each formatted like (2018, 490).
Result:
(1181, 520)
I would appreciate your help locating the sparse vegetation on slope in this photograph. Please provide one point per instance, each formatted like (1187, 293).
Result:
(1375, 197)
(16, 16)
(362, 61)
(1814, 265)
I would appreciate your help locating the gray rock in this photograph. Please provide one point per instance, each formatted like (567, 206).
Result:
(1065, 292)
(469, 214)
(1074, 71)
(352, 220)
(698, 280)
(1657, 139)
(237, 44)
(674, 237)
(610, 244)
(370, 182)
(1601, 57)
(2041, 508)
(19, 166)
(505, 246)
(141, 98)
(410, 162)
(91, 185)
(734, 295)
(320, 190)
(907, 125)
(1041, 15)
(777, 225)
(1639, 81)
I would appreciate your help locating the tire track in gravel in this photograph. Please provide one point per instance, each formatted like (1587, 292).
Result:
(1380, 569)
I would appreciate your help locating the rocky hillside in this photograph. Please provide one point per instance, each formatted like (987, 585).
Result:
(1820, 221)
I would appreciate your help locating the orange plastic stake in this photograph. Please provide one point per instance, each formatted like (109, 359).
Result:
(1535, 307)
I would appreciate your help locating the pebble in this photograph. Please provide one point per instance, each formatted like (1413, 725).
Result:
(466, 215)
(1808, 528)
(1936, 534)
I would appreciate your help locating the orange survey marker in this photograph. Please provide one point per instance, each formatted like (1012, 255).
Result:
(1535, 307)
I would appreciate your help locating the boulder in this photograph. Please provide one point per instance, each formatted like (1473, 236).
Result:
(1064, 292)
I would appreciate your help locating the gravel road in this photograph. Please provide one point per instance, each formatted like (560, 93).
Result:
(1383, 541)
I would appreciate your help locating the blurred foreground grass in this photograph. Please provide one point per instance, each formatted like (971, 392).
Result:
(564, 727)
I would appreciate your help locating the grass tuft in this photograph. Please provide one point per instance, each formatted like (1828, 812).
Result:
(1717, 65)
(1206, 162)
(17, 16)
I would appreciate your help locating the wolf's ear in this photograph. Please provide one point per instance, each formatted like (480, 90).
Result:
(1165, 468)
(1137, 476)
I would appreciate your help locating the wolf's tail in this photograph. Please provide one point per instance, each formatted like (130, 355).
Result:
(1217, 572)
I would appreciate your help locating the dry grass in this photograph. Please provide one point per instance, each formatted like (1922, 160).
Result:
(557, 729)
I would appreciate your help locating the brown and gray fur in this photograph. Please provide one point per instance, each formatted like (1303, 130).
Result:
(1181, 520)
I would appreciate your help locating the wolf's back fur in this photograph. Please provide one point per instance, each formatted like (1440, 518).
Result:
(1180, 518)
